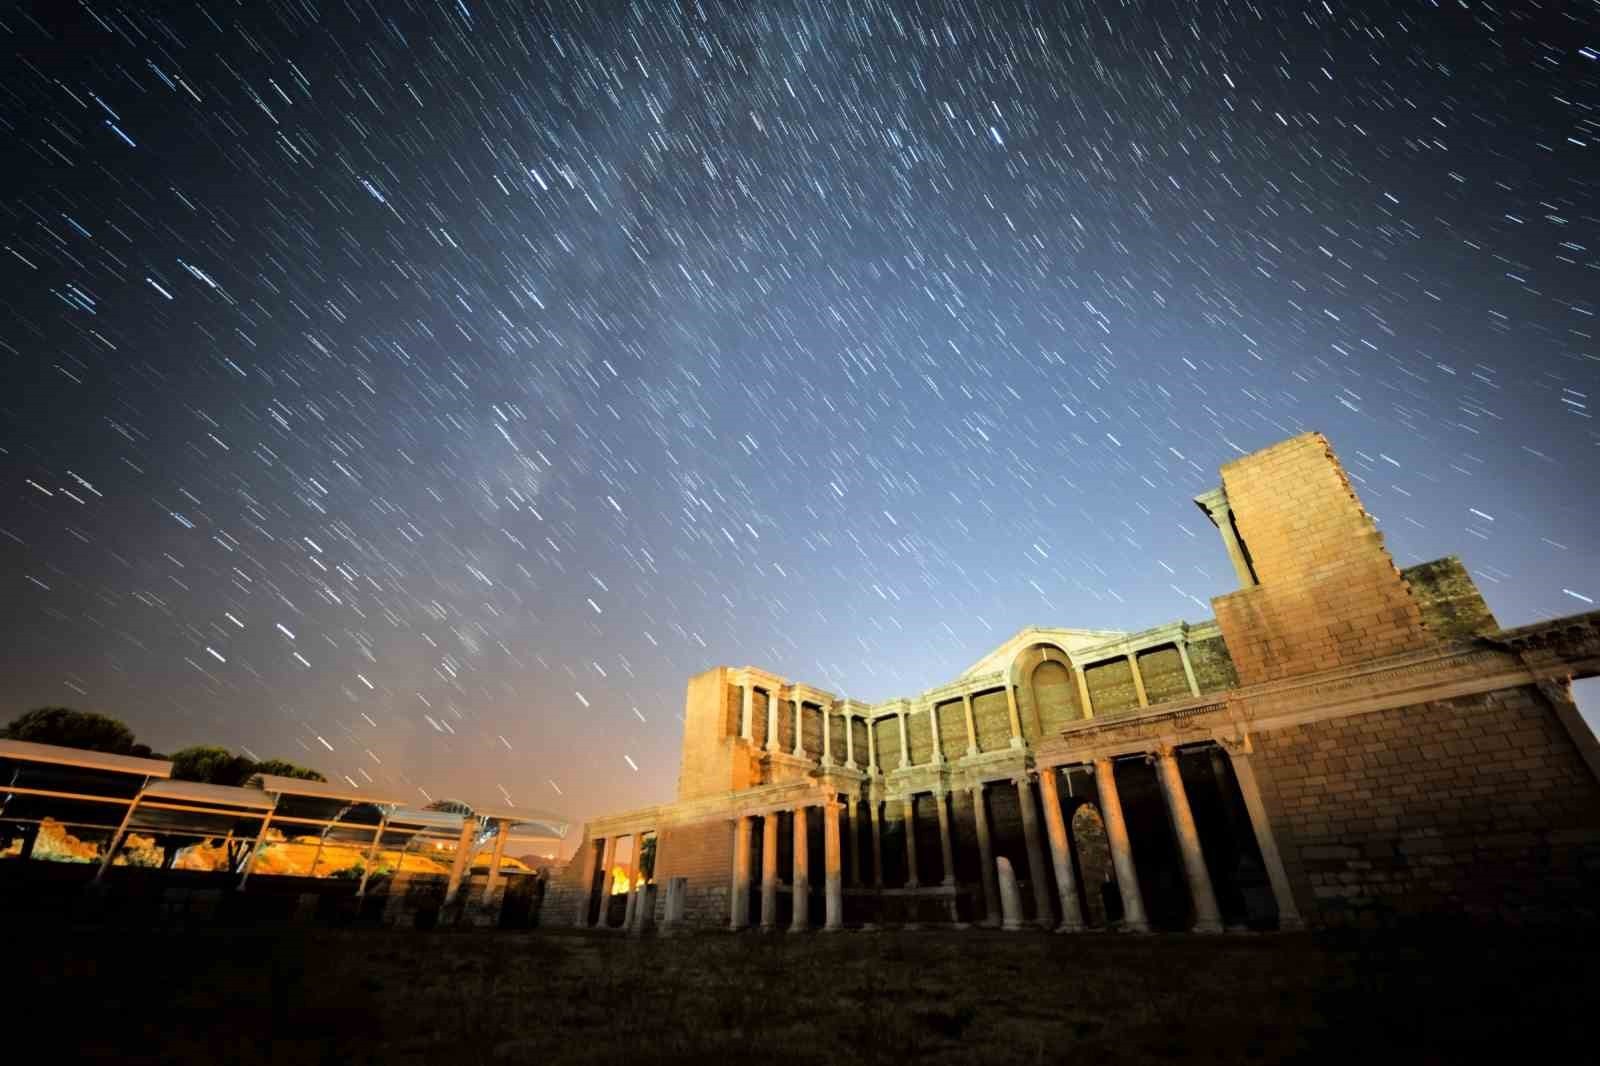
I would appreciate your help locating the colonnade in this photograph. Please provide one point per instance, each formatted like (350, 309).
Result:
(606, 850)
(1053, 839)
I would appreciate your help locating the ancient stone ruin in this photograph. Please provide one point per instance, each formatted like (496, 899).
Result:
(1345, 743)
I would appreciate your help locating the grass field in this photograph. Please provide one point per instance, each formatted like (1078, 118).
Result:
(301, 997)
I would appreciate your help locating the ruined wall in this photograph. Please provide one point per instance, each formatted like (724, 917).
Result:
(836, 727)
(1478, 807)
(1111, 687)
(811, 733)
(1452, 607)
(758, 719)
(1329, 595)
(886, 735)
(1213, 668)
(704, 854)
(919, 733)
(858, 731)
(1162, 670)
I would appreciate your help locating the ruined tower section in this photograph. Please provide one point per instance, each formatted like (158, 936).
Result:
(715, 758)
(1320, 591)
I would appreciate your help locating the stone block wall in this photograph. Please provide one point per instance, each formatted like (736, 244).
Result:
(1452, 607)
(1478, 807)
(704, 854)
(919, 736)
(1162, 670)
(858, 729)
(811, 737)
(993, 720)
(1213, 668)
(710, 762)
(886, 735)
(1053, 695)
(1329, 594)
(1111, 687)
(952, 729)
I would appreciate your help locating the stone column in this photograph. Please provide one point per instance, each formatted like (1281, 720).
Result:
(853, 828)
(1216, 505)
(608, 859)
(772, 721)
(1207, 916)
(1244, 772)
(799, 730)
(947, 854)
(1060, 853)
(748, 713)
(833, 885)
(909, 806)
(502, 831)
(1010, 897)
(872, 745)
(1016, 719)
(1083, 689)
(933, 724)
(463, 853)
(801, 891)
(972, 724)
(1036, 867)
(905, 747)
(877, 842)
(1138, 679)
(1188, 667)
(633, 882)
(586, 897)
(769, 872)
(740, 897)
(849, 742)
(991, 887)
(1105, 783)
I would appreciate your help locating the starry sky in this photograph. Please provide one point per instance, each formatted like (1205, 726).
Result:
(423, 391)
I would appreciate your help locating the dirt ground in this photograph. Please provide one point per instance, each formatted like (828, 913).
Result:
(382, 996)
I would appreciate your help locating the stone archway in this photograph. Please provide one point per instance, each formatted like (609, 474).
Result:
(1091, 853)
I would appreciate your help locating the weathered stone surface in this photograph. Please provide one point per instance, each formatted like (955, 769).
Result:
(1010, 896)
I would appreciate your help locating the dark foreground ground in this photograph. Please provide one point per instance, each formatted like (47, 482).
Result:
(303, 996)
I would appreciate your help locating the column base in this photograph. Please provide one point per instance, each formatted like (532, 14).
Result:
(765, 928)
(1291, 925)
(800, 928)
(833, 929)
(1014, 926)
(1017, 742)
(1207, 928)
(1073, 927)
(971, 751)
(1136, 928)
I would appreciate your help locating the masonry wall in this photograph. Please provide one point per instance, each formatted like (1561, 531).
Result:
(993, 719)
(1478, 807)
(1111, 687)
(1329, 594)
(1451, 605)
(1213, 668)
(1162, 671)
(704, 854)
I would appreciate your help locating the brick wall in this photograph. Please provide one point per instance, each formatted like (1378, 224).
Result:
(886, 735)
(1111, 687)
(1213, 668)
(1451, 605)
(1162, 671)
(1329, 595)
(704, 854)
(952, 729)
(919, 731)
(1479, 807)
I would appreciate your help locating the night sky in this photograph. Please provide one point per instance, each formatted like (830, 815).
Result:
(423, 391)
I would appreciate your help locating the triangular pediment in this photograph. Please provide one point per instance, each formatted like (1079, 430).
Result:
(1071, 639)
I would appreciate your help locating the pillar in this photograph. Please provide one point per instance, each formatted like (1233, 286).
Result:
(633, 880)
(947, 854)
(1188, 668)
(801, 888)
(1244, 772)
(607, 859)
(933, 725)
(991, 885)
(372, 854)
(1207, 917)
(1105, 780)
(872, 746)
(739, 900)
(908, 806)
(772, 721)
(502, 831)
(799, 731)
(769, 872)
(1060, 853)
(972, 724)
(849, 741)
(1082, 673)
(833, 884)
(877, 843)
(1138, 679)
(463, 852)
(853, 829)
(748, 712)
(586, 897)
(1036, 867)
(1016, 719)
(905, 747)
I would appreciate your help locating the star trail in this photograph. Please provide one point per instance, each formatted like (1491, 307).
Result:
(423, 391)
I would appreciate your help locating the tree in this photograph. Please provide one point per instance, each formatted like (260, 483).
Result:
(287, 769)
(211, 765)
(74, 729)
